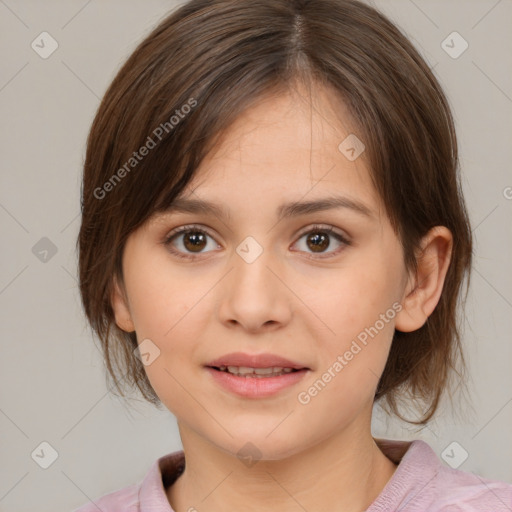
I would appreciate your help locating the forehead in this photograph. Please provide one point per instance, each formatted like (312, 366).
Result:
(287, 146)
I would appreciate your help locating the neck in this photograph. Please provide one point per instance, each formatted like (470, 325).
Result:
(345, 472)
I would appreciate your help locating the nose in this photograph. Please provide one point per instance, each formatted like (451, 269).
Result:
(254, 295)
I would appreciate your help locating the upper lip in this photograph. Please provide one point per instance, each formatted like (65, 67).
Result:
(255, 361)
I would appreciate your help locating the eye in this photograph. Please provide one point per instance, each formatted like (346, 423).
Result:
(318, 239)
(192, 238)
(188, 241)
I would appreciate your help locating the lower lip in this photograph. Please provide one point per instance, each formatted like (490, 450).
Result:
(256, 387)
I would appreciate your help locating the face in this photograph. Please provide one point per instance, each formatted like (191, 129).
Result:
(321, 288)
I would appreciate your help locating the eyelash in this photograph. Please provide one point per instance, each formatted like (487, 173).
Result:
(329, 230)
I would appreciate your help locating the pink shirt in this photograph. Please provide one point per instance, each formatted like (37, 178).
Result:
(420, 483)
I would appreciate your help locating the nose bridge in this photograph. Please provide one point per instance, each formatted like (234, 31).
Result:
(251, 274)
(253, 296)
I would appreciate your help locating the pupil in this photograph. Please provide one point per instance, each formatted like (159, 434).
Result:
(194, 240)
(320, 242)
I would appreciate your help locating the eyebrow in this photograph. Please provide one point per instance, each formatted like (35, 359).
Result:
(286, 210)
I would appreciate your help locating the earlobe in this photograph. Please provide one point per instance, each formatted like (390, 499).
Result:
(423, 290)
(120, 306)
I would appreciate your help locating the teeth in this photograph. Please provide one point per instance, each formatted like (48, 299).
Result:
(243, 371)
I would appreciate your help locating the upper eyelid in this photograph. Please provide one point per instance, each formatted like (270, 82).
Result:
(188, 227)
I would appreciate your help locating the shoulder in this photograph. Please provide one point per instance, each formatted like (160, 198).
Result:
(423, 483)
(461, 491)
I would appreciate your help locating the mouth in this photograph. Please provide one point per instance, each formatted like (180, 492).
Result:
(256, 383)
(256, 373)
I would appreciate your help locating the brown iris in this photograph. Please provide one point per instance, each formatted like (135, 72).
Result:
(194, 241)
(319, 240)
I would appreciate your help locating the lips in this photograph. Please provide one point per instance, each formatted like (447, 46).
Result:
(266, 360)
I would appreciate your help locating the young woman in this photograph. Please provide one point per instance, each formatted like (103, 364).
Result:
(273, 238)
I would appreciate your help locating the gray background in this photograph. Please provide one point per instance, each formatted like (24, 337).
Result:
(52, 386)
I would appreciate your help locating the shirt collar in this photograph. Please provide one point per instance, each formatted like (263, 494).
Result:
(417, 467)
(163, 472)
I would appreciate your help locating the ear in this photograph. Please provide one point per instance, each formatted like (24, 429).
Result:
(120, 306)
(423, 290)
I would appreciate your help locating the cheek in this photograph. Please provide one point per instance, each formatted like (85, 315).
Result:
(354, 308)
(161, 295)
(170, 306)
(352, 357)
(350, 299)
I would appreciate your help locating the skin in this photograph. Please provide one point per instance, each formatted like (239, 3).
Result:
(290, 301)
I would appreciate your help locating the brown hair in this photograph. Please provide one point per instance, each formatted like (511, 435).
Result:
(217, 58)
